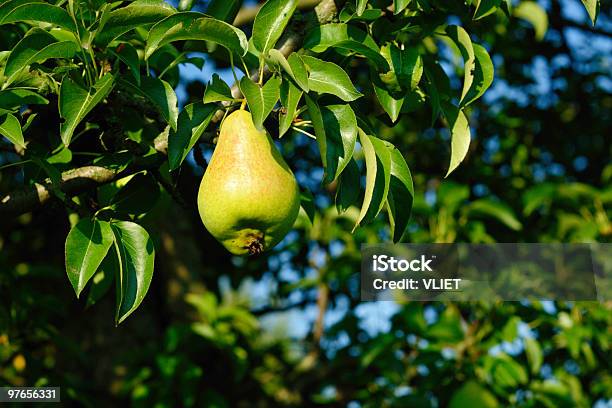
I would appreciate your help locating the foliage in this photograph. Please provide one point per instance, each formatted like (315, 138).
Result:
(89, 105)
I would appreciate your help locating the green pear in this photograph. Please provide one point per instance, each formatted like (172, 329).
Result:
(248, 198)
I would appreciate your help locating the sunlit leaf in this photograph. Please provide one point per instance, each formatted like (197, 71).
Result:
(261, 99)
(136, 256)
(464, 43)
(270, 23)
(496, 210)
(327, 77)
(192, 122)
(307, 203)
(534, 354)
(533, 13)
(294, 66)
(348, 38)
(592, 7)
(37, 47)
(460, 135)
(485, 8)
(401, 195)
(406, 68)
(14, 98)
(290, 96)
(14, 11)
(136, 14)
(378, 174)
(473, 395)
(341, 135)
(391, 103)
(483, 75)
(76, 102)
(195, 26)
(86, 246)
(400, 5)
(11, 129)
(217, 91)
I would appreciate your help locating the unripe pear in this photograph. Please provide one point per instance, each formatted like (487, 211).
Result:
(248, 198)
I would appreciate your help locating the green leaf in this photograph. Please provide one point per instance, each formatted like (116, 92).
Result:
(87, 244)
(307, 203)
(406, 68)
(327, 77)
(294, 66)
(505, 372)
(16, 11)
(11, 99)
(483, 75)
(464, 43)
(195, 26)
(539, 196)
(224, 10)
(592, 7)
(473, 395)
(128, 54)
(261, 99)
(192, 122)
(11, 129)
(507, 7)
(345, 37)
(75, 103)
(400, 5)
(485, 8)
(314, 111)
(270, 23)
(349, 186)
(103, 279)
(438, 87)
(348, 13)
(340, 137)
(534, 354)
(533, 13)
(136, 256)
(378, 174)
(37, 47)
(496, 210)
(217, 91)
(401, 195)
(460, 135)
(138, 196)
(361, 6)
(290, 96)
(136, 14)
(161, 94)
(391, 103)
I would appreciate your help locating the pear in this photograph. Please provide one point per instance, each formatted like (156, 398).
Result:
(248, 198)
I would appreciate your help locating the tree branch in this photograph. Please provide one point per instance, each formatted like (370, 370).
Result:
(78, 180)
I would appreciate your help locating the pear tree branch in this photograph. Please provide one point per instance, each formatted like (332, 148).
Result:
(81, 179)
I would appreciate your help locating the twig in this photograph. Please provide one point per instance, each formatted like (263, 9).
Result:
(176, 196)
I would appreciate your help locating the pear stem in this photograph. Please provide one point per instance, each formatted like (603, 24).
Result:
(243, 104)
(261, 72)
